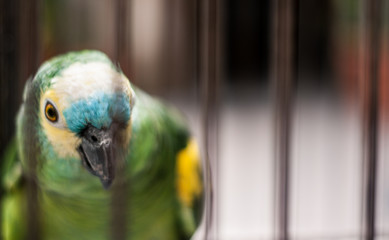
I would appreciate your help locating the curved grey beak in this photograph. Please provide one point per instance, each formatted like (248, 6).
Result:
(97, 154)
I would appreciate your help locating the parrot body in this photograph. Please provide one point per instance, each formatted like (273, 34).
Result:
(95, 139)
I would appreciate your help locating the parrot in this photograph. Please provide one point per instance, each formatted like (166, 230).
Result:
(89, 131)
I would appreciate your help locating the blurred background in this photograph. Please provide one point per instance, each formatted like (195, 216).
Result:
(289, 99)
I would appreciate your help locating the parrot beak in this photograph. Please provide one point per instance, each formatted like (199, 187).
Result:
(97, 154)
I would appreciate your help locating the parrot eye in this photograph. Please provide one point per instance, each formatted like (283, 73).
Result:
(51, 112)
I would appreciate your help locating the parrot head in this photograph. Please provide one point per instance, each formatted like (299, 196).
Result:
(85, 107)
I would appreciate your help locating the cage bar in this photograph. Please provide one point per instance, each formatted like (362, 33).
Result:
(283, 73)
(120, 30)
(30, 10)
(371, 56)
(208, 32)
(120, 190)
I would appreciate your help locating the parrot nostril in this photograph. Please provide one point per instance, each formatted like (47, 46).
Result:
(94, 139)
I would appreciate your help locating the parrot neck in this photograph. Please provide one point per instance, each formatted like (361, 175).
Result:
(66, 177)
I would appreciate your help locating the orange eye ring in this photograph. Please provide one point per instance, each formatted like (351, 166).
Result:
(51, 112)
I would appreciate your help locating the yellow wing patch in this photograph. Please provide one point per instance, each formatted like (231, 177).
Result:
(189, 184)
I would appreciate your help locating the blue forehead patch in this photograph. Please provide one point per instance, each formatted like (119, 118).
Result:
(98, 110)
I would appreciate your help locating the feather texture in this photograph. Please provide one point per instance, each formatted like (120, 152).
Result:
(72, 202)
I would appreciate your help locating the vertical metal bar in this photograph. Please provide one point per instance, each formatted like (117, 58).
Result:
(120, 30)
(120, 189)
(283, 73)
(370, 61)
(205, 115)
(31, 151)
(30, 10)
(198, 44)
(209, 67)
(32, 55)
(120, 198)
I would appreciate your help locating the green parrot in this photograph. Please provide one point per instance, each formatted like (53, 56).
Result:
(89, 131)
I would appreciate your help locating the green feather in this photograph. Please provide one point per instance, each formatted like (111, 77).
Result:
(72, 202)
